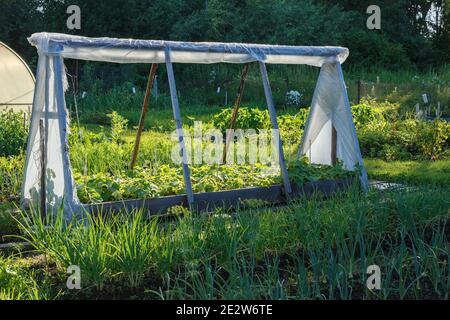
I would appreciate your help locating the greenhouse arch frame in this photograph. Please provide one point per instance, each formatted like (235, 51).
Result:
(329, 132)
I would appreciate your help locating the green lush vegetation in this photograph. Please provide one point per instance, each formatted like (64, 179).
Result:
(313, 249)
(100, 157)
(409, 34)
(13, 135)
(309, 249)
(166, 180)
(409, 56)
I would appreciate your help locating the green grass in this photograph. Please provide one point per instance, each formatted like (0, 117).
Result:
(18, 280)
(414, 172)
(312, 249)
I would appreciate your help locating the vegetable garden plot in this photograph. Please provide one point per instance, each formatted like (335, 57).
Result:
(329, 136)
(213, 186)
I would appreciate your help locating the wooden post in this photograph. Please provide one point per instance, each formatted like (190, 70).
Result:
(148, 91)
(276, 133)
(333, 145)
(359, 91)
(43, 169)
(177, 116)
(237, 103)
(75, 83)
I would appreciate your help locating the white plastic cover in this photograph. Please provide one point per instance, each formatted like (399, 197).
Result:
(49, 107)
(16, 81)
(152, 51)
(330, 102)
(330, 107)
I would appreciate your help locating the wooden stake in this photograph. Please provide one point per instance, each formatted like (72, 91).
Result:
(148, 91)
(237, 103)
(43, 169)
(359, 92)
(333, 145)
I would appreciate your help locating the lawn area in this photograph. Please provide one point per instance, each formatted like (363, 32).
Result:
(414, 172)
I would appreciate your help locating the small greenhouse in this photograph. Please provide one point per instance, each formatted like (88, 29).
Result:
(16, 81)
(329, 132)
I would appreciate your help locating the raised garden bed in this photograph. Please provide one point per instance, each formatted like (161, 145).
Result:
(207, 201)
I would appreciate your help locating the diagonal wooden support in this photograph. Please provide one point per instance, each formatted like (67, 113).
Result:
(236, 106)
(276, 131)
(177, 116)
(148, 90)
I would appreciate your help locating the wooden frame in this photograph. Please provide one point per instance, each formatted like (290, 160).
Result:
(229, 198)
(174, 52)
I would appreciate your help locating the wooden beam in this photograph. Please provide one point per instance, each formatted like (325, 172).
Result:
(237, 103)
(333, 145)
(276, 132)
(179, 127)
(148, 91)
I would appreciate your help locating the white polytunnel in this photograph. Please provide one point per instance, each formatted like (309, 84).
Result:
(330, 114)
(16, 81)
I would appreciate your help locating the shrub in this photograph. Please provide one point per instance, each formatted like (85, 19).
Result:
(365, 113)
(11, 174)
(405, 140)
(434, 138)
(247, 118)
(13, 133)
